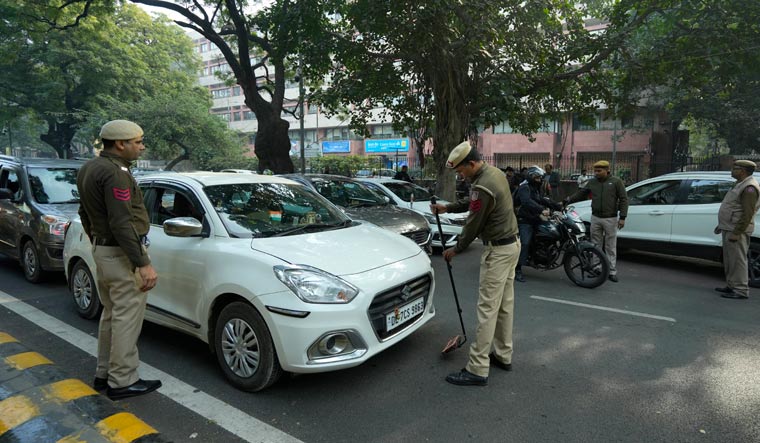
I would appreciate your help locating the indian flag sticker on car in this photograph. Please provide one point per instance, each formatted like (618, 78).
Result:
(275, 216)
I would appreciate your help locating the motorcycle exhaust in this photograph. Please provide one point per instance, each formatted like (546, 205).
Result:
(456, 341)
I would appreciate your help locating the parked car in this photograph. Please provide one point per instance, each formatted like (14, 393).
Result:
(409, 195)
(38, 198)
(270, 274)
(364, 173)
(676, 213)
(362, 203)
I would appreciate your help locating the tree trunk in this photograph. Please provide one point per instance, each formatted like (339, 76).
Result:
(272, 146)
(59, 137)
(451, 123)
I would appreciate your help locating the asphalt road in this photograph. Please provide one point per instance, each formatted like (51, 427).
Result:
(668, 360)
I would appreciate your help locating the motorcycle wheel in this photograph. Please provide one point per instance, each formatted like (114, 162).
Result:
(589, 272)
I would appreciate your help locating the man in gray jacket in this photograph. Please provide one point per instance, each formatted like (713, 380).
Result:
(609, 207)
(736, 221)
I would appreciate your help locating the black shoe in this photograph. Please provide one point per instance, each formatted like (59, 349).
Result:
(519, 276)
(100, 384)
(725, 290)
(734, 295)
(139, 387)
(498, 363)
(613, 278)
(466, 378)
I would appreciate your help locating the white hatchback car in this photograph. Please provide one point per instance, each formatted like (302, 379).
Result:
(676, 213)
(409, 195)
(270, 274)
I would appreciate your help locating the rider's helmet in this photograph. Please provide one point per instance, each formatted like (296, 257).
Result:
(534, 171)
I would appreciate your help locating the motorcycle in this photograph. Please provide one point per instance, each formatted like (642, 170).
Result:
(560, 240)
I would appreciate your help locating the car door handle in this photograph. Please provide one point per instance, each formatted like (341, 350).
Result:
(656, 213)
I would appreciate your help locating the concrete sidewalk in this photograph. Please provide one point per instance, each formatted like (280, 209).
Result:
(40, 403)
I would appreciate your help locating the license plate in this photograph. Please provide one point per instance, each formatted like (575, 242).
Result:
(403, 314)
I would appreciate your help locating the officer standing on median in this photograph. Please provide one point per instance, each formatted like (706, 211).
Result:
(492, 217)
(609, 207)
(736, 221)
(115, 219)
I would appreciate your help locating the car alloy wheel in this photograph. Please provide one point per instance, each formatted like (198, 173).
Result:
(85, 291)
(244, 348)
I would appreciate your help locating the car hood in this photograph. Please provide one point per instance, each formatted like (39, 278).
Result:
(68, 210)
(342, 251)
(390, 217)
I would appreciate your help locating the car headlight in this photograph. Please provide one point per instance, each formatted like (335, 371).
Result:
(431, 219)
(313, 285)
(55, 225)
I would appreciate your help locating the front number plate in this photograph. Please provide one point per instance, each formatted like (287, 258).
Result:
(403, 314)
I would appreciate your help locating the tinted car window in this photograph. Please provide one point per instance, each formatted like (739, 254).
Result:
(10, 180)
(707, 191)
(269, 209)
(54, 185)
(657, 193)
(347, 194)
(405, 191)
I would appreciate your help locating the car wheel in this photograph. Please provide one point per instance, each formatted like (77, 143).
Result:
(753, 265)
(244, 348)
(85, 291)
(30, 262)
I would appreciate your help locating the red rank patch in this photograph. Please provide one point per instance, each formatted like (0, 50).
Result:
(475, 205)
(121, 194)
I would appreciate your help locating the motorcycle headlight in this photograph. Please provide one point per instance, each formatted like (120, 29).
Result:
(55, 225)
(313, 285)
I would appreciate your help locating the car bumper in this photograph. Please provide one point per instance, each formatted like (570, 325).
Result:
(450, 234)
(297, 340)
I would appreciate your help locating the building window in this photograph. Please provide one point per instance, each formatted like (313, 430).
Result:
(340, 134)
(586, 122)
(290, 109)
(384, 131)
(249, 115)
(313, 109)
(225, 117)
(503, 128)
(310, 135)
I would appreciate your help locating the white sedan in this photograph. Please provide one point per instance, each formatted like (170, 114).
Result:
(270, 274)
(409, 195)
(676, 213)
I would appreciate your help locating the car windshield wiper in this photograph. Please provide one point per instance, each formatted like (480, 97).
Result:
(313, 226)
(73, 200)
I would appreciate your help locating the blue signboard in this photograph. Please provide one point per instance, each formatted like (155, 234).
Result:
(337, 146)
(389, 145)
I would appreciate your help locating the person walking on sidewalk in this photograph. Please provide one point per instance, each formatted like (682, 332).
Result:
(116, 221)
(609, 207)
(736, 221)
(492, 218)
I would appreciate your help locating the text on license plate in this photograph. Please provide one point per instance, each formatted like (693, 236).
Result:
(403, 314)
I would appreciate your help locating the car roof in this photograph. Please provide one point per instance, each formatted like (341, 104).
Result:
(695, 174)
(207, 178)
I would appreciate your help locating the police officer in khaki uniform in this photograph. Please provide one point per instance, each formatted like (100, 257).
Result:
(115, 219)
(736, 221)
(492, 217)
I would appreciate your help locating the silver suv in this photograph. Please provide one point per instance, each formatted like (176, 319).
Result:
(676, 213)
(38, 199)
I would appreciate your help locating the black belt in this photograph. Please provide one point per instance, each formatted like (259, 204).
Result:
(105, 241)
(502, 241)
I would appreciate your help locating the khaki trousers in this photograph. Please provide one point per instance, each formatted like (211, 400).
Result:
(496, 301)
(604, 234)
(122, 317)
(735, 263)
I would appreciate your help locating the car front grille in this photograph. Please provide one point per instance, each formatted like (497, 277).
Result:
(419, 237)
(387, 301)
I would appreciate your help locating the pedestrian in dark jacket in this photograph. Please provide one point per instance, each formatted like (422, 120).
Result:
(403, 174)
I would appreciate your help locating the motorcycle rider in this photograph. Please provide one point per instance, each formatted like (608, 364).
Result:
(533, 202)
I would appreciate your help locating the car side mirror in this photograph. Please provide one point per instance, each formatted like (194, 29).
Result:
(182, 227)
(5, 194)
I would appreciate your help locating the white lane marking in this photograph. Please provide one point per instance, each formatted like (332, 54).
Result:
(604, 308)
(228, 417)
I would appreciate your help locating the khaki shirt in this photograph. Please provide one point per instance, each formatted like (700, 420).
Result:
(111, 205)
(492, 214)
(737, 211)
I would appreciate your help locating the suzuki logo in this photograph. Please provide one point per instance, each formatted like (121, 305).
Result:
(406, 292)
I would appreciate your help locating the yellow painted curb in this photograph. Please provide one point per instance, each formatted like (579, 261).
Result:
(67, 390)
(27, 360)
(7, 338)
(123, 428)
(15, 411)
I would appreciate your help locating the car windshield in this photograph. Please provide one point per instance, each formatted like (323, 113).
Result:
(272, 209)
(405, 191)
(348, 194)
(54, 185)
